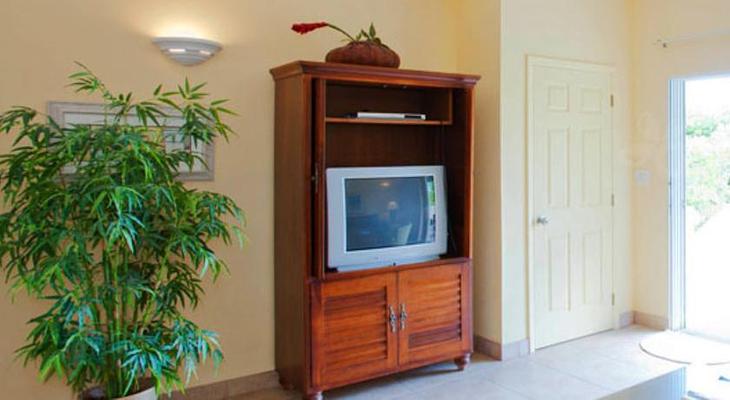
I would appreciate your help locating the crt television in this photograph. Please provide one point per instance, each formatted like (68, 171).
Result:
(385, 216)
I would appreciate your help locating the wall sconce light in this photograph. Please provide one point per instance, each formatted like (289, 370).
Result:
(187, 51)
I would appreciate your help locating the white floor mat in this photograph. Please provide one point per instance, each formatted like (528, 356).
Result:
(688, 349)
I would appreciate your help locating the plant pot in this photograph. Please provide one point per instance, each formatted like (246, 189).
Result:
(98, 393)
(364, 53)
(148, 394)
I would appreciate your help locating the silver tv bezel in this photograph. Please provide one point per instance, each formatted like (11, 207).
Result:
(337, 254)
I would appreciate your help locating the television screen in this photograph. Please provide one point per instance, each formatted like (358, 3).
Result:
(385, 216)
(389, 212)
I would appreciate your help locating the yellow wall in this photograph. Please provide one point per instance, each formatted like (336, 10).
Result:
(479, 52)
(41, 39)
(586, 30)
(653, 68)
(496, 38)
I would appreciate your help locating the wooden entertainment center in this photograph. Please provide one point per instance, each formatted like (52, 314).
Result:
(337, 328)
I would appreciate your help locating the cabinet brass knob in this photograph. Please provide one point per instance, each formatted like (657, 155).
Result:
(403, 316)
(392, 319)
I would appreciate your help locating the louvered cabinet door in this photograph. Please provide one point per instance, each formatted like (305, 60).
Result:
(434, 314)
(354, 330)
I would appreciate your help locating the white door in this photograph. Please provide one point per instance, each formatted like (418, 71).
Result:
(571, 199)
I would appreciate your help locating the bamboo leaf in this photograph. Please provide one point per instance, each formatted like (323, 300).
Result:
(117, 249)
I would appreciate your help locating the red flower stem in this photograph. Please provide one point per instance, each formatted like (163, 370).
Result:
(341, 31)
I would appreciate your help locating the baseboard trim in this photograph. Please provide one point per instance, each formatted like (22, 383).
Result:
(499, 351)
(232, 387)
(651, 321)
(267, 380)
(521, 348)
(626, 319)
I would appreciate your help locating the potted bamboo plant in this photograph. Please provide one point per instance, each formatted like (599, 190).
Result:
(118, 249)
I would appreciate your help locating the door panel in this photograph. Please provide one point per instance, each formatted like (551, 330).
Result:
(319, 197)
(353, 335)
(571, 173)
(434, 313)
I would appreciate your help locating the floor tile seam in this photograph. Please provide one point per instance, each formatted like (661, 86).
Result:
(574, 376)
(473, 376)
(512, 391)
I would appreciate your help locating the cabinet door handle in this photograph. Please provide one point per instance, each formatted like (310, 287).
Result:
(392, 319)
(403, 316)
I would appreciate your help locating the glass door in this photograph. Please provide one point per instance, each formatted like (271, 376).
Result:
(707, 207)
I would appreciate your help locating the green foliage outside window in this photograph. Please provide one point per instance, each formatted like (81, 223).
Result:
(702, 126)
(708, 165)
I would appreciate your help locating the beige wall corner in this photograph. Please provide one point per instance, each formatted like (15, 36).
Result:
(502, 352)
(657, 322)
(654, 66)
(593, 31)
(115, 40)
(626, 319)
(479, 52)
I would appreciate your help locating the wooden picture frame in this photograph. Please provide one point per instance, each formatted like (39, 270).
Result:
(68, 113)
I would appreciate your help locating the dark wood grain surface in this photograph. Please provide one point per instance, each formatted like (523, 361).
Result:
(334, 329)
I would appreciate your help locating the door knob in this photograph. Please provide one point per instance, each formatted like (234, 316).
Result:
(543, 220)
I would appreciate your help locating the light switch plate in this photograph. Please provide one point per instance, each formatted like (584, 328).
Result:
(642, 177)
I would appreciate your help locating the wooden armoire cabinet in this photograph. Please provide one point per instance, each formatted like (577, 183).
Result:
(337, 328)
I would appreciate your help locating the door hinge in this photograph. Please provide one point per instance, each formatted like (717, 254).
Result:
(613, 200)
(612, 101)
(613, 299)
(315, 177)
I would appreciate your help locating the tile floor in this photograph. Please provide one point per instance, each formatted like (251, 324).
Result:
(586, 368)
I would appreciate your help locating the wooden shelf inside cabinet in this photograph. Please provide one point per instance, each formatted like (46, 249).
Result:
(382, 121)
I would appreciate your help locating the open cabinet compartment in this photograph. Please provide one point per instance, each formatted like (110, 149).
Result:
(346, 98)
(383, 145)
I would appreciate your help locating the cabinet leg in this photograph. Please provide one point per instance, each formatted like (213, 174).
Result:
(462, 361)
(313, 396)
(285, 385)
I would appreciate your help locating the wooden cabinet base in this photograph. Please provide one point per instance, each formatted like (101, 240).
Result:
(371, 326)
(461, 363)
